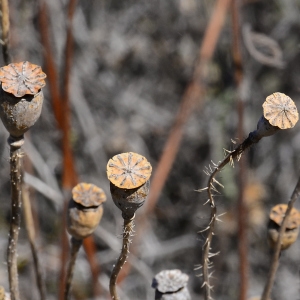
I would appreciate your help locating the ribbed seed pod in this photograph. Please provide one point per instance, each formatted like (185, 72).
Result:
(21, 97)
(292, 229)
(279, 112)
(171, 285)
(129, 175)
(85, 210)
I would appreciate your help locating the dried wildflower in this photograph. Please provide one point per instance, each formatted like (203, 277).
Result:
(21, 97)
(22, 78)
(275, 221)
(128, 170)
(280, 110)
(171, 284)
(85, 210)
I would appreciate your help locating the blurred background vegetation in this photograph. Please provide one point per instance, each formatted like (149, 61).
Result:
(132, 62)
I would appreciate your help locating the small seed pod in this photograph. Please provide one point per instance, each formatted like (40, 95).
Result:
(279, 112)
(275, 221)
(85, 210)
(21, 97)
(171, 285)
(129, 175)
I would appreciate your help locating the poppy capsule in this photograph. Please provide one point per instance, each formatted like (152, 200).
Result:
(129, 175)
(275, 221)
(171, 284)
(21, 97)
(85, 210)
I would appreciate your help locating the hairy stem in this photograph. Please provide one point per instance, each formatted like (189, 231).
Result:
(75, 246)
(276, 254)
(31, 236)
(127, 233)
(16, 173)
(235, 154)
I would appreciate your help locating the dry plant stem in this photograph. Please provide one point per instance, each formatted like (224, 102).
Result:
(29, 223)
(5, 31)
(16, 198)
(127, 234)
(235, 154)
(75, 246)
(242, 211)
(277, 250)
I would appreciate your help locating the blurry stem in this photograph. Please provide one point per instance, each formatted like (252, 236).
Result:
(127, 234)
(75, 246)
(5, 31)
(242, 210)
(16, 172)
(29, 223)
(276, 254)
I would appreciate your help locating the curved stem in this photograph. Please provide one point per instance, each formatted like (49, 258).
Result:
(127, 233)
(276, 254)
(16, 173)
(75, 246)
(235, 154)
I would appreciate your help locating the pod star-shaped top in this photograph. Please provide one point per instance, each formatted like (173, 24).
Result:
(278, 212)
(280, 110)
(128, 170)
(22, 78)
(88, 194)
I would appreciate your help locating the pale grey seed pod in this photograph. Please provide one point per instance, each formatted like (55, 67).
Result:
(171, 285)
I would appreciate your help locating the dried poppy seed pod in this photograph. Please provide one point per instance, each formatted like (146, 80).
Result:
(21, 97)
(171, 285)
(129, 175)
(279, 112)
(85, 210)
(292, 229)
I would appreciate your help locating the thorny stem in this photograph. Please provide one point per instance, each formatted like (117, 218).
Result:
(75, 246)
(5, 31)
(16, 198)
(127, 234)
(210, 228)
(276, 254)
(31, 236)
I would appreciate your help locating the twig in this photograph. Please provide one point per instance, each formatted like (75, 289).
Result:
(127, 233)
(235, 154)
(242, 211)
(276, 254)
(16, 155)
(75, 246)
(31, 236)
(5, 31)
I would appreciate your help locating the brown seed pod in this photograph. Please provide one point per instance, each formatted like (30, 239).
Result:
(22, 78)
(129, 200)
(85, 210)
(128, 170)
(171, 284)
(275, 220)
(21, 97)
(280, 110)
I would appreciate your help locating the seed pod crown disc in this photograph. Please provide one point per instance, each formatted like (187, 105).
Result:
(280, 110)
(278, 212)
(128, 170)
(22, 78)
(88, 194)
